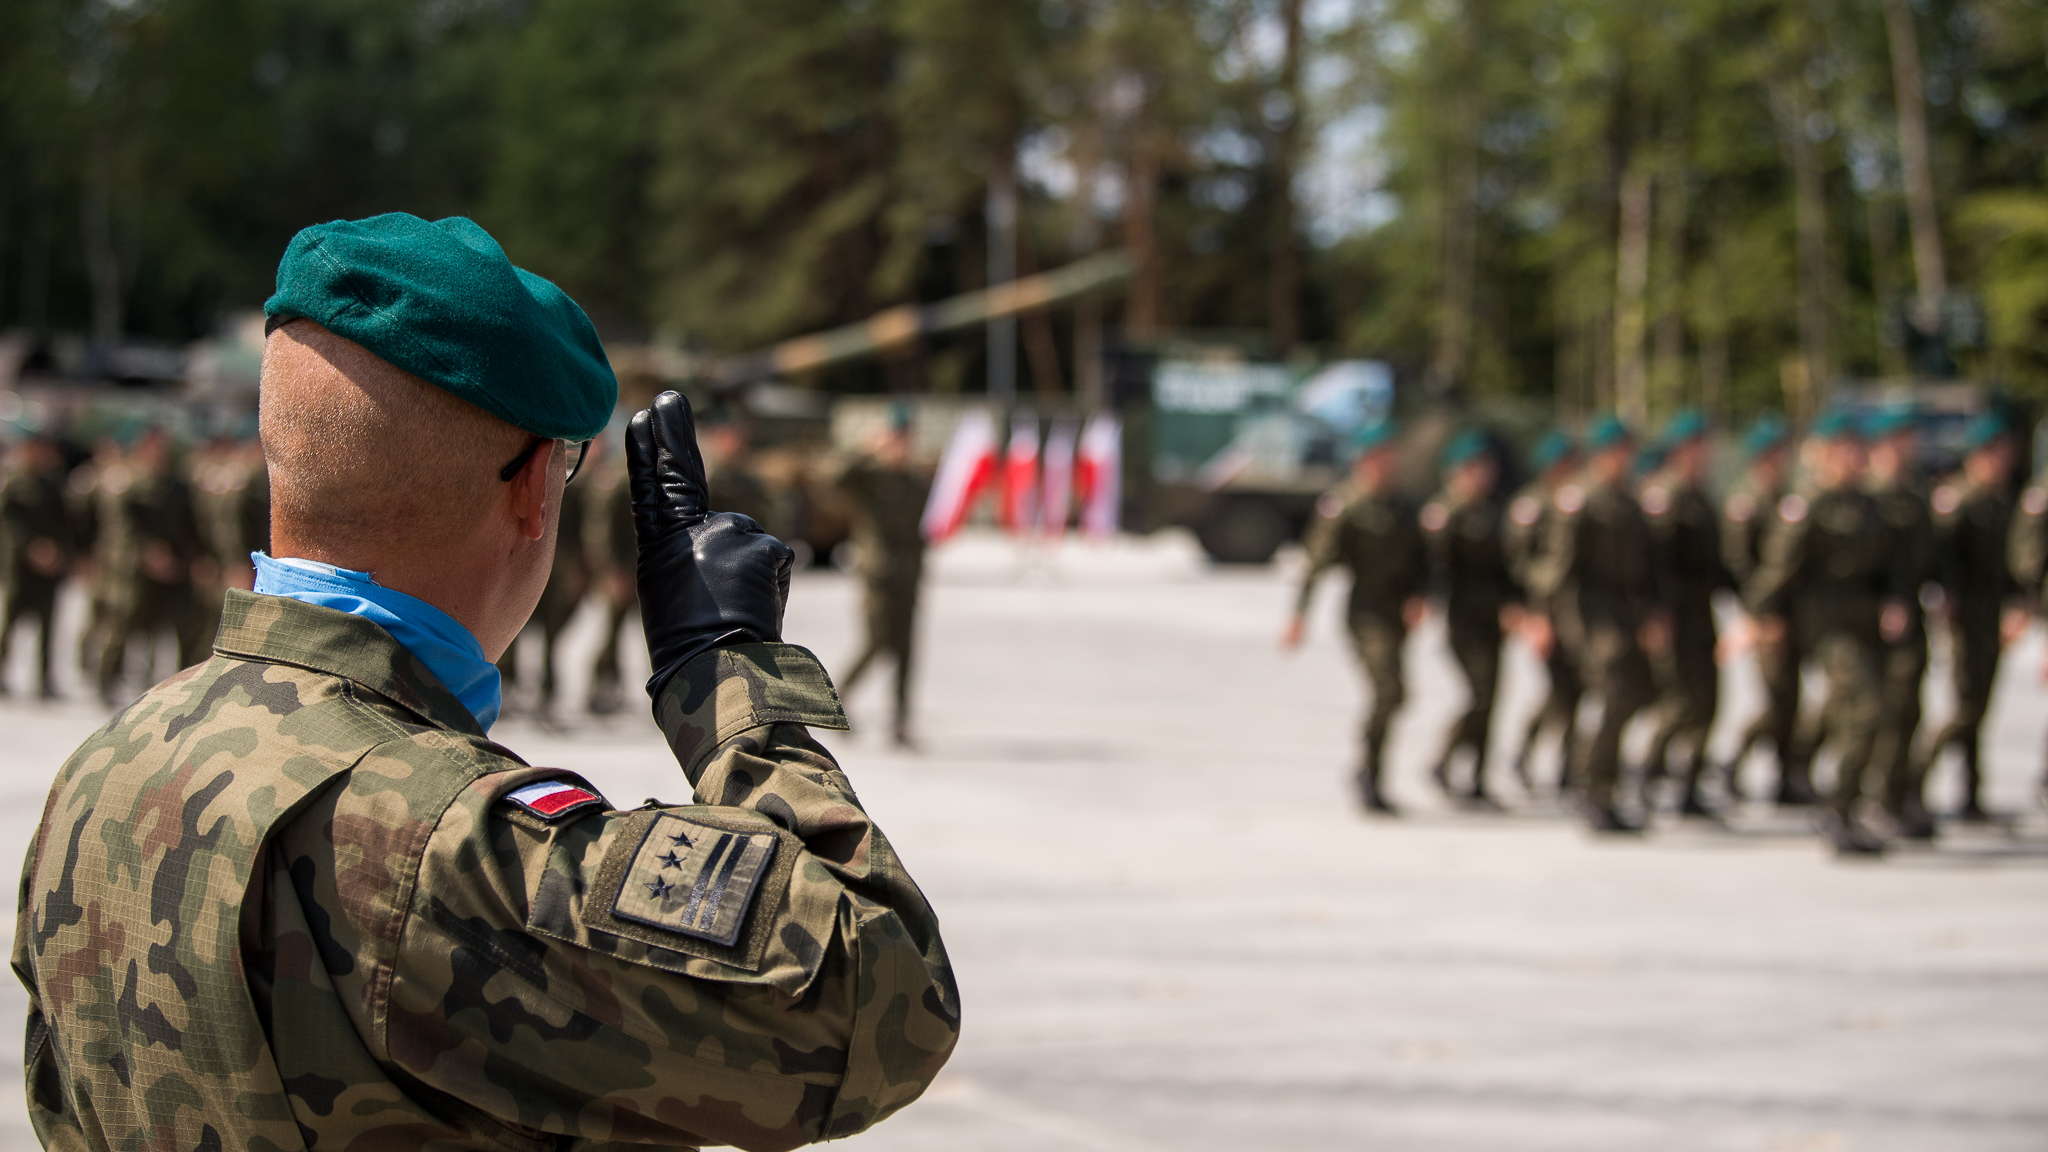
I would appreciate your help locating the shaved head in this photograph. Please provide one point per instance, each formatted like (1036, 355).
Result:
(365, 454)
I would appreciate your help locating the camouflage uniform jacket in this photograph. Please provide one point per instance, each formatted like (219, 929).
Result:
(1744, 516)
(1522, 531)
(1827, 562)
(1686, 557)
(1972, 526)
(1376, 536)
(31, 509)
(2027, 548)
(1903, 506)
(1596, 560)
(889, 526)
(285, 901)
(608, 539)
(1468, 556)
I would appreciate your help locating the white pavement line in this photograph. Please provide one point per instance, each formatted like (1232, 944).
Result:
(963, 1093)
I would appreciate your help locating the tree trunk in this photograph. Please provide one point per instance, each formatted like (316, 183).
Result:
(1921, 214)
(1457, 242)
(1145, 309)
(102, 261)
(1809, 192)
(1631, 282)
(1284, 286)
(1881, 217)
(1669, 264)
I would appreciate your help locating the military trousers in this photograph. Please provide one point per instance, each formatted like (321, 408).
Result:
(145, 608)
(1377, 638)
(1475, 642)
(1893, 761)
(889, 608)
(1689, 694)
(1848, 722)
(1560, 710)
(30, 596)
(1616, 673)
(1974, 653)
(1778, 666)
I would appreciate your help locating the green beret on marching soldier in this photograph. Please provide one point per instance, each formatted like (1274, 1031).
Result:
(1524, 532)
(1746, 514)
(1902, 503)
(296, 896)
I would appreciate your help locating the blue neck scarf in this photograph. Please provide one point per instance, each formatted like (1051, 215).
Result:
(448, 649)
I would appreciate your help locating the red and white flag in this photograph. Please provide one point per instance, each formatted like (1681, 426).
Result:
(1099, 475)
(1020, 475)
(964, 472)
(1057, 492)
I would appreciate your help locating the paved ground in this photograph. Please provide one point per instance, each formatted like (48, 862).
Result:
(1173, 932)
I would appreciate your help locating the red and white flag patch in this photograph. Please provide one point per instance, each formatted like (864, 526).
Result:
(554, 799)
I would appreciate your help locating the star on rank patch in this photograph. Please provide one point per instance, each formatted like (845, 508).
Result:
(697, 880)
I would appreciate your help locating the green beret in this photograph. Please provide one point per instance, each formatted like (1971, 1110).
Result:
(1688, 424)
(1464, 447)
(442, 302)
(1651, 457)
(1767, 433)
(1378, 434)
(1890, 420)
(1606, 432)
(1835, 424)
(1986, 427)
(1555, 446)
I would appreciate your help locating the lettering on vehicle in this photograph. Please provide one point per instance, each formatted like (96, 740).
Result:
(693, 878)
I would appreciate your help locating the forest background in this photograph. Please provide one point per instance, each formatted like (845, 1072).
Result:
(1608, 203)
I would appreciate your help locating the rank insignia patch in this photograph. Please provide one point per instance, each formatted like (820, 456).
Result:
(694, 879)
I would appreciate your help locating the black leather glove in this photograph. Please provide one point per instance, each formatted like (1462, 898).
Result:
(706, 579)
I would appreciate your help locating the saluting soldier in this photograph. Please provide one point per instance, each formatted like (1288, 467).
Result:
(1687, 568)
(889, 489)
(1366, 525)
(1554, 460)
(1594, 585)
(1902, 502)
(1972, 527)
(296, 897)
(1746, 514)
(36, 550)
(1462, 528)
(1827, 564)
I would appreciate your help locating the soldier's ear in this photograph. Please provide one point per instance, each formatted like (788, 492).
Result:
(528, 492)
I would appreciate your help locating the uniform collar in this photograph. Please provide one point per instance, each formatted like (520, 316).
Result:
(285, 631)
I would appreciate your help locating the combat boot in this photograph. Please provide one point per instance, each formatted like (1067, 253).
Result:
(1847, 836)
(1609, 822)
(1369, 793)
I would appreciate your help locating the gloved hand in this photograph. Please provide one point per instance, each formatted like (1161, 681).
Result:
(706, 579)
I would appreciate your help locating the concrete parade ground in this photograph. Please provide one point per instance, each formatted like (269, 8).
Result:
(1173, 929)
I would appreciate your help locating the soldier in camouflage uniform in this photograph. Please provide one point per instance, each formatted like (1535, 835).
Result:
(1902, 502)
(1523, 533)
(295, 897)
(1826, 563)
(150, 546)
(2027, 560)
(1972, 529)
(735, 485)
(36, 551)
(888, 490)
(613, 554)
(1366, 526)
(1462, 529)
(1686, 568)
(1593, 586)
(1745, 515)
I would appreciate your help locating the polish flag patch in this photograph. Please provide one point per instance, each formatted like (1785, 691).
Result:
(553, 799)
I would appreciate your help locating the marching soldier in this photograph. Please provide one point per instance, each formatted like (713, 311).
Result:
(1462, 529)
(1972, 524)
(889, 491)
(1554, 460)
(1827, 565)
(1686, 569)
(1746, 514)
(1902, 502)
(36, 550)
(150, 548)
(1594, 585)
(297, 898)
(608, 543)
(1366, 526)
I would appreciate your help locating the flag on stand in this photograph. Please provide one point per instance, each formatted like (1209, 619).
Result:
(1058, 489)
(1099, 475)
(964, 472)
(1020, 475)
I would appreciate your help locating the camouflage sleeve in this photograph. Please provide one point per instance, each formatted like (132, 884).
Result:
(1770, 589)
(1321, 542)
(2027, 541)
(756, 969)
(1557, 554)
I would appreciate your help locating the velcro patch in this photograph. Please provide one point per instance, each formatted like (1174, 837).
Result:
(552, 800)
(693, 878)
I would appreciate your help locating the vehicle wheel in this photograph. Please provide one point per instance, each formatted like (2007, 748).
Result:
(1242, 531)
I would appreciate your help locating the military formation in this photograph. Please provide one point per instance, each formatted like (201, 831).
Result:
(1611, 563)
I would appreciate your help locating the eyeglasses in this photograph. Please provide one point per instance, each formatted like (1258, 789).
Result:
(510, 470)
